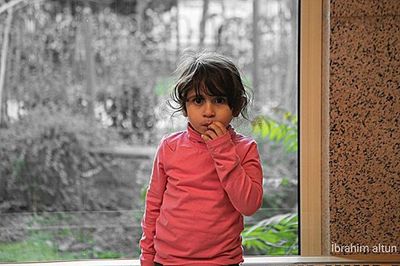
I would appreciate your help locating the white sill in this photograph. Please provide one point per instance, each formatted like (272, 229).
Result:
(248, 261)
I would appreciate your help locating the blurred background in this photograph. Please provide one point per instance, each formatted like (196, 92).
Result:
(83, 91)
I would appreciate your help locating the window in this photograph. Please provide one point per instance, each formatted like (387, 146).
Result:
(103, 64)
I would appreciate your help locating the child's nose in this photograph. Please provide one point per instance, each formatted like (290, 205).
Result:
(208, 110)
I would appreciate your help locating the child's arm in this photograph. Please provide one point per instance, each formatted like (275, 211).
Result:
(242, 180)
(154, 200)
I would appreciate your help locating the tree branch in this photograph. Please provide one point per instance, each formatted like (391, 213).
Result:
(9, 5)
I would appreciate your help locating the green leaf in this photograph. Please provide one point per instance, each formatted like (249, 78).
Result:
(285, 181)
(275, 235)
(284, 132)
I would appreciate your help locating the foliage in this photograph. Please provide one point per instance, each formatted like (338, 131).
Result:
(70, 235)
(277, 235)
(49, 65)
(49, 167)
(36, 248)
(42, 246)
(282, 196)
(284, 132)
(282, 139)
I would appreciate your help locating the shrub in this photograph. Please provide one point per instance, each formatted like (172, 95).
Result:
(45, 163)
(276, 235)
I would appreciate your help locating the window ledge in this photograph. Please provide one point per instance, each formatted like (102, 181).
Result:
(248, 261)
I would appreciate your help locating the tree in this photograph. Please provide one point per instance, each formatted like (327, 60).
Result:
(290, 96)
(178, 37)
(9, 5)
(203, 23)
(3, 66)
(256, 48)
(90, 67)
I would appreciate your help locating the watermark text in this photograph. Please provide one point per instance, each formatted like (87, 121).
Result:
(363, 249)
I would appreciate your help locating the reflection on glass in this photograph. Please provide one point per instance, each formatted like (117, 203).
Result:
(83, 90)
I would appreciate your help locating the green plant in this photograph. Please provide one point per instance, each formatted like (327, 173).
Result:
(276, 235)
(47, 245)
(108, 255)
(38, 247)
(163, 86)
(284, 132)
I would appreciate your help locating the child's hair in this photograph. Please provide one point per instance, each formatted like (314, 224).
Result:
(213, 74)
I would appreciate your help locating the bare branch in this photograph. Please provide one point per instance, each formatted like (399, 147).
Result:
(9, 5)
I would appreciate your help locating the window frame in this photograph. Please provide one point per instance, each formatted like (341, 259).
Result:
(314, 174)
(310, 103)
(311, 140)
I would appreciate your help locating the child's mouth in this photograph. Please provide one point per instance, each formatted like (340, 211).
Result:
(207, 123)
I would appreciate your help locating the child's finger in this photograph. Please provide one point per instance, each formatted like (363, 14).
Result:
(211, 134)
(217, 129)
(205, 137)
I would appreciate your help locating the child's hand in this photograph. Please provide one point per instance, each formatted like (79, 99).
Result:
(215, 129)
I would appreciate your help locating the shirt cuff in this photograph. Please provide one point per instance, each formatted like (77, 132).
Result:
(219, 141)
(147, 260)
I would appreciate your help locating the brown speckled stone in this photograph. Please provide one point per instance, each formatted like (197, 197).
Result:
(364, 145)
(364, 8)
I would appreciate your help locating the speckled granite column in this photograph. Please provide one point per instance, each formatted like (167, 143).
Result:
(364, 145)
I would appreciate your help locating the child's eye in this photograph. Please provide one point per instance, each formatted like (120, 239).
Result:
(220, 100)
(197, 100)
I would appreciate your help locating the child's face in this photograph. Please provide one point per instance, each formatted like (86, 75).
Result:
(203, 109)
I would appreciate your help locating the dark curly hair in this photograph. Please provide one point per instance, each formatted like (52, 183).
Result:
(214, 73)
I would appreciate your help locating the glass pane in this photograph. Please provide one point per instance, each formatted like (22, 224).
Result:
(84, 86)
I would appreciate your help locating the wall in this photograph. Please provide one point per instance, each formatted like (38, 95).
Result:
(364, 127)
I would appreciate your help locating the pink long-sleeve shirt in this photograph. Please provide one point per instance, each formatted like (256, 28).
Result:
(197, 196)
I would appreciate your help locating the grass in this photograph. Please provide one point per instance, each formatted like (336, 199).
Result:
(39, 246)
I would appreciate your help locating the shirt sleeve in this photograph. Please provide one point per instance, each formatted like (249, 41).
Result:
(153, 203)
(240, 178)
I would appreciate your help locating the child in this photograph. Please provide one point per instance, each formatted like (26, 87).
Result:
(205, 178)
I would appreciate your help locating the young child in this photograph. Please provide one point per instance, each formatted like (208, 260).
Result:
(205, 178)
